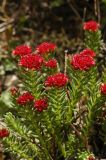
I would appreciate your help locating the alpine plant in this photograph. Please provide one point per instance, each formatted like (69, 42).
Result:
(54, 113)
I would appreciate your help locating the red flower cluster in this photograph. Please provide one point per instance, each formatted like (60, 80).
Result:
(46, 47)
(91, 26)
(31, 61)
(82, 62)
(52, 63)
(88, 52)
(41, 104)
(25, 98)
(22, 50)
(13, 90)
(4, 133)
(103, 88)
(57, 80)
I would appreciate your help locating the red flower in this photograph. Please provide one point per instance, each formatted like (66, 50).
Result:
(91, 157)
(30, 61)
(88, 52)
(46, 47)
(25, 98)
(4, 133)
(91, 26)
(22, 50)
(57, 80)
(82, 62)
(41, 104)
(13, 90)
(103, 88)
(52, 63)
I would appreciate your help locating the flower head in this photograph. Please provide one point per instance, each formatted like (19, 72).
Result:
(13, 90)
(25, 98)
(22, 50)
(57, 80)
(103, 88)
(91, 26)
(45, 47)
(31, 61)
(41, 104)
(82, 62)
(91, 157)
(4, 133)
(52, 63)
(88, 52)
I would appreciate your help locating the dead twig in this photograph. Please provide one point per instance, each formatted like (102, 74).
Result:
(97, 9)
(76, 131)
(5, 25)
(74, 10)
